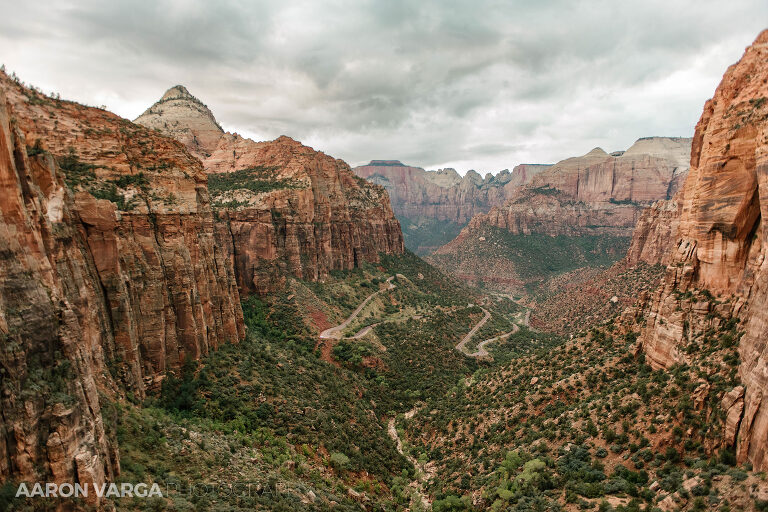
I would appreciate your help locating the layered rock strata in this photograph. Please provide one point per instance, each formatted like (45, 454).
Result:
(596, 193)
(110, 277)
(287, 209)
(444, 194)
(721, 247)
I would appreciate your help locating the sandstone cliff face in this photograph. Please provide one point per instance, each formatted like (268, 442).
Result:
(286, 208)
(721, 246)
(656, 233)
(180, 115)
(110, 274)
(596, 193)
(53, 327)
(312, 215)
(443, 194)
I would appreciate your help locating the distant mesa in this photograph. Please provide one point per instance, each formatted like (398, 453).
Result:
(386, 163)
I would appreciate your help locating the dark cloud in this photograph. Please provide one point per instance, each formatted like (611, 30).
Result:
(481, 84)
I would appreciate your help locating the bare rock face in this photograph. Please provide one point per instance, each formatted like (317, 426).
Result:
(655, 233)
(291, 210)
(596, 193)
(433, 206)
(180, 115)
(444, 194)
(721, 243)
(110, 277)
(595, 199)
(286, 208)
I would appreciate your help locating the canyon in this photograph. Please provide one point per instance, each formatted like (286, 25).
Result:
(433, 206)
(248, 308)
(286, 209)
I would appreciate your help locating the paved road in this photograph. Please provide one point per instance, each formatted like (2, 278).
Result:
(481, 352)
(478, 325)
(335, 333)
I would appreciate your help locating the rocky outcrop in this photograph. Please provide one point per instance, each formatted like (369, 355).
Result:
(110, 277)
(655, 233)
(722, 244)
(286, 208)
(309, 215)
(444, 194)
(180, 115)
(596, 193)
(590, 204)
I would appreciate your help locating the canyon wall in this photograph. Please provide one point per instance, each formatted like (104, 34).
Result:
(286, 209)
(596, 193)
(110, 277)
(444, 194)
(720, 247)
(656, 233)
(578, 213)
(433, 206)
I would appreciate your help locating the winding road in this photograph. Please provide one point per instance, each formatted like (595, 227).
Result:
(478, 325)
(481, 352)
(335, 333)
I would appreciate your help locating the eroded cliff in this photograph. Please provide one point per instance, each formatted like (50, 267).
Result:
(720, 247)
(596, 193)
(287, 209)
(433, 206)
(110, 277)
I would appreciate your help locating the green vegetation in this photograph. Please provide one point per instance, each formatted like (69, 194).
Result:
(500, 259)
(254, 179)
(539, 256)
(76, 173)
(423, 236)
(274, 380)
(575, 423)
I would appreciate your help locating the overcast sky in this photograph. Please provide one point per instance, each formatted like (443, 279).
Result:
(480, 84)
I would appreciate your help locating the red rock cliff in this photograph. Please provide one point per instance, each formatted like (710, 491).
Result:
(290, 210)
(444, 195)
(721, 246)
(110, 274)
(596, 193)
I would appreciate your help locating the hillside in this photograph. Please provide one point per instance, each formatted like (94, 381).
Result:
(580, 212)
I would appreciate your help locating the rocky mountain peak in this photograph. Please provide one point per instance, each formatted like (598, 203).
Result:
(180, 115)
(596, 152)
(178, 92)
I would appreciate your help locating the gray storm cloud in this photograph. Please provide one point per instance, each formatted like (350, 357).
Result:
(481, 84)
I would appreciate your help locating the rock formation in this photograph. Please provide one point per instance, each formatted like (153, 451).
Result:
(185, 118)
(444, 194)
(596, 193)
(721, 247)
(420, 198)
(589, 204)
(655, 233)
(110, 275)
(288, 209)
